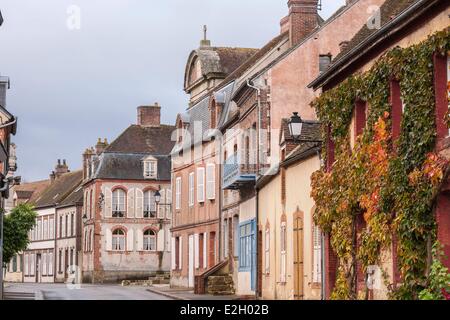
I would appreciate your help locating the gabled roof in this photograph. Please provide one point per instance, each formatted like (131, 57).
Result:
(395, 15)
(155, 140)
(30, 191)
(59, 189)
(74, 198)
(311, 131)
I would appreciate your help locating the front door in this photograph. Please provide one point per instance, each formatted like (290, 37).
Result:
(66, 263)
(298, 258)
(191, 262)
(38, 268)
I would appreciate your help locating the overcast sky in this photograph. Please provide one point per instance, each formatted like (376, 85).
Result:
(70, 87)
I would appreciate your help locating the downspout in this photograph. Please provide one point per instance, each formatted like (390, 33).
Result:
(322, 251)
(258, 92)
(221, 162)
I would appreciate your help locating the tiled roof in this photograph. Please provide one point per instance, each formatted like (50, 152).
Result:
(302, 151)
(389, 10)
(59, 189)
(30, 191)
(311, 131)
(76, 197)
(129, 166)
(232, 58)
(145, 140)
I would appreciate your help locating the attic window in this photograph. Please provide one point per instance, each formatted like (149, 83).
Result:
(150, 169)
(324, 62)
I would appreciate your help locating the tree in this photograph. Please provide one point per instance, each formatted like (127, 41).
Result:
(16, 227)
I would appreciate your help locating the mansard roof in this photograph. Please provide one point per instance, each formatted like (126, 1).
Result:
(59, 189)
(155, 140)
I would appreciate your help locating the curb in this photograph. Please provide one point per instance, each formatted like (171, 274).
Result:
(39, 295)
(165, 294)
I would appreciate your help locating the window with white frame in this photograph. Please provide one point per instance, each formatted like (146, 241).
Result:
(39, 230)
(26, 265)
(118, 240)
(45, 237)
(191, 189)
(51, 228)
(211, 181)
(149, 240)
(150, 169)
(283, 242)
(178, 193)
(118, 203)
(200, 185)
(149, 204)
(317, 255)
(50, 263)
(267, 251)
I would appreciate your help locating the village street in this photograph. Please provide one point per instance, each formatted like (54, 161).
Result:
(24, 291)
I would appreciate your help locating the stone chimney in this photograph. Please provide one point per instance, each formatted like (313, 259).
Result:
(87, 157)
(149, 116)
(101, 146)
(303, 18)
(60, 169)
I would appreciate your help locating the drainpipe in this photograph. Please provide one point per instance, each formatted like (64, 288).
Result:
(322, 250)
(258, 92)
(220, 197)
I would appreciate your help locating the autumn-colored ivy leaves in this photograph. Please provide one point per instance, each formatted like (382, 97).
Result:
(392, 184)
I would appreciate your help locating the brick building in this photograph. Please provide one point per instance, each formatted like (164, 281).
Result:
(403, 25)
(126, 233)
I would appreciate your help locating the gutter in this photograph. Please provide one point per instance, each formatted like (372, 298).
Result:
(370, 42)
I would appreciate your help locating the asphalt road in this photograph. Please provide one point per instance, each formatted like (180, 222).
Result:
(86, 292)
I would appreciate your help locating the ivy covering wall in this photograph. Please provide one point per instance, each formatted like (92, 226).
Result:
(393, 185)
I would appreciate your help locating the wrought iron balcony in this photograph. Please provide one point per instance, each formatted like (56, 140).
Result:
(237, 175)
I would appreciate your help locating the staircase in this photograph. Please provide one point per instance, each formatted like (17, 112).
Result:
(220, 285)
(158, 277)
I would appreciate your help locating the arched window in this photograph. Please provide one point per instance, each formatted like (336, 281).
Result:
(149, 204)
(118, 240)
(149, 240)
(118, 203)
(91, 207)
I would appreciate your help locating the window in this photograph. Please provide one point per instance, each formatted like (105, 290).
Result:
(324, 62)
(45, 237)
(201, 185)
(317, 257)
(178, 194)
(14, 264)
(72, 224)
(267, 251)
(88, 204)
(360, 117)
(39, 230)
(118, 203)
(191, 189)
(246, 237)
(51, 232)
(150, 169)
(85, 241)
(91, 240)
(50, 264)
(118, 240)
(91, 205)
(60, 261)
(67, 226)
(149, 204)
(149, 240)
(283, 242)
(44, 264)
(211, 181)
(26, 265)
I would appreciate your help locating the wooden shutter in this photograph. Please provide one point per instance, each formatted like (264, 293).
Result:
(108, 202)
(130, 203)
(204, 251)
(160, 241)
(108, 240)
(196, 251)
(130, 240)
(169, 202)
(139, 240)
(139, 207)
(180, 253)
(211, 181)
(173, 258)
(178, 194)
(317, 267)
(200, 185)
(191, 189)
(162, 207)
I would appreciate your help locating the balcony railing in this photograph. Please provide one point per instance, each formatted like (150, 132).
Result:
(237, 175)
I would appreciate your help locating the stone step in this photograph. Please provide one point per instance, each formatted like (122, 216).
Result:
(220, 285)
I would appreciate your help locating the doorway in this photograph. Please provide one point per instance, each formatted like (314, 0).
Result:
(298, 257)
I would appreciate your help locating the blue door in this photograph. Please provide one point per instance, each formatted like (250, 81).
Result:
(253, 256)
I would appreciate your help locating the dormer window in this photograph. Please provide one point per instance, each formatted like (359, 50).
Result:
(150, 168)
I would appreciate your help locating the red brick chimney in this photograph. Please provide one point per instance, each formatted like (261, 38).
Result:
(303, 18)
(149, 116)
(60, 169)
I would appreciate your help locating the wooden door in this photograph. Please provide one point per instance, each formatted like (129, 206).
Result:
(298, 258)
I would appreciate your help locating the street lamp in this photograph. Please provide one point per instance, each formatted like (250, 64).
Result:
(101, 201)
(85, 218)
(296, 126)
(157, 197)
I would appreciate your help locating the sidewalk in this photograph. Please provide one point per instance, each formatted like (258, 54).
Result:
(186, 294)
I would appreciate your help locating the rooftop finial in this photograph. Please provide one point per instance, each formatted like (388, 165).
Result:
(205, 32)
(205, 42)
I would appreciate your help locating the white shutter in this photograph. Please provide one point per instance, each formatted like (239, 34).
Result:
(160, 241)
(163, 206)
(32, 264)
(139, 203)
(211, 181)
(191, 189)
(204, 251)
(108, 203)
(108, 240)
(130, 202)
(178, 194)
(317, 267)
(173, 258)
(180, 253)
(169, 202)
(196, 251)
(44, 263)
(25, 264)
(201, 185)
(140, 240)
(50, 263)
(130, 240)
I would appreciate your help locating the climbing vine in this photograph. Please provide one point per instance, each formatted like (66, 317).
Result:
(391, 185)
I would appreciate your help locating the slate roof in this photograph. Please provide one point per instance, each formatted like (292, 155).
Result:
(147, 140)
(311, 131)
(129, 166)
(59, 189)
